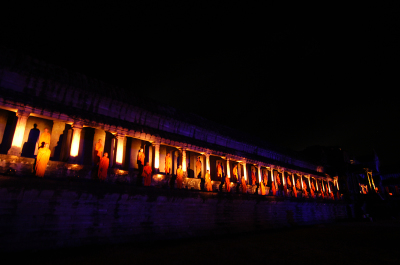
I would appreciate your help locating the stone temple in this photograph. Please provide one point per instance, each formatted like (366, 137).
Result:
(255, 184)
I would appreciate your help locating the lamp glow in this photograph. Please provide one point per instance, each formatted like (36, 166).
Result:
(157, 156)
(120, 150)
(76, 138)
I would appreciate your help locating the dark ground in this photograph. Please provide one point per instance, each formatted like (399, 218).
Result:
(339, 243)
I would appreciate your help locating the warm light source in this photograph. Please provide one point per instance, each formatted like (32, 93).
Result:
(283, 177)
(120, 149)
(76, 138)
(244, 171)
(20, 129)
(228, 169)
(156, 156)
(301, 181)
(184, 163)
(207, 161)
(259, 174)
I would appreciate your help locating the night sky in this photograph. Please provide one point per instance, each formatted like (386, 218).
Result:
(295, 76)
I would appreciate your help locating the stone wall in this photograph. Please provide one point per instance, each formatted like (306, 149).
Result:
(49, 213)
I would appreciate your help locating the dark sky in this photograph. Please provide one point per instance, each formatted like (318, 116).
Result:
(293, 75)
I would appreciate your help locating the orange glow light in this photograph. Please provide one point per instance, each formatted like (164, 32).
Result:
(76, 138)
(157, 156)
(120, 150)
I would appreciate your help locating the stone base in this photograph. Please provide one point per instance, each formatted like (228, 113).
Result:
(15, 151)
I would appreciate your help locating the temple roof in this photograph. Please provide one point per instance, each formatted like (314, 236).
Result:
(15, 61)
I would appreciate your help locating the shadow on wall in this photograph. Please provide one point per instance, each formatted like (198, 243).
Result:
(8, 133)
(29, 147)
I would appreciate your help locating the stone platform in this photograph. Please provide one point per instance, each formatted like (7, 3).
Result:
(45, 213)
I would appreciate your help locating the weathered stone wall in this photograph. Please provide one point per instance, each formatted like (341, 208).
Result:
(39, 213)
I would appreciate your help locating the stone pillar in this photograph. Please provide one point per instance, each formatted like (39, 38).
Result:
(16, 146)
(245, 171)
(301, 181)
(228, 168)
(284, 183)
(156, 156)
(259, 173)
(120, 150)
(76, 138)
(184, 164)
(207, 161)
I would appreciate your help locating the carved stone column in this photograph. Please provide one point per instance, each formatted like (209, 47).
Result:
(16, 146)
(228, 168)
(259, 173)
(157, 145)
(207, 161)
(120, 150)
(244, 171)
(184, 165)
(76, 138)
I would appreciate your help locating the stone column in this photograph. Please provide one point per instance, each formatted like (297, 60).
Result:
(259, 173)
(76, 138)
(245, 171)
(284, 183)
(228, 168)
(184, 164)
(16, 146)
(120, 150)
(301, 181)
(207, 161)
(156, 156)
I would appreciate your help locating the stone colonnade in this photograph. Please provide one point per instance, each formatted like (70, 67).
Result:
(120, 134)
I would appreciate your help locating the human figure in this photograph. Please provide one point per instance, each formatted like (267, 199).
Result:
(140, 162)
(244, 185)
(103, 166)
(98, 152)
(253, 177)
(305, 188)
(273, 188)
(265, 178)
(298, 184)
(44, 137)
(147, 174)
(179, 177)
(219, 170)
(294, 191)
(198, 167)
(289, 183)
(208, 181)
(42, 159)
(235, 172)
(262, 188)
(227, 183)
(167, 164)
